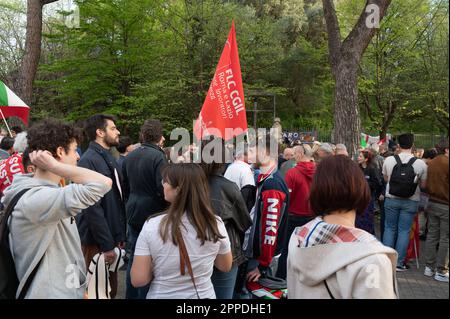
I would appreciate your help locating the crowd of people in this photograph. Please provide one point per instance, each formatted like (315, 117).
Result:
(302, 221)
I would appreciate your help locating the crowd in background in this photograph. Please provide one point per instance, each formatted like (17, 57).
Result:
(301, 223)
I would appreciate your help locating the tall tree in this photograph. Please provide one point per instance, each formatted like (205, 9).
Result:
(402, 81)
(32, 55)
(344, 58)
(12, 34)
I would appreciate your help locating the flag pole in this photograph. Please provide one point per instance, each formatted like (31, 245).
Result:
(6, 123)
(417, 253)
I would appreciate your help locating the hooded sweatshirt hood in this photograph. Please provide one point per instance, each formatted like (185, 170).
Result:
(299, 180)
(320, 252)
(307, 169)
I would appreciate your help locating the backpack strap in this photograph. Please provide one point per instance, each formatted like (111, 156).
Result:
(185, 260)
(328, 289)
(411, 161)
(398, 160)
(13, 203)
(30, 278)
(8, 214)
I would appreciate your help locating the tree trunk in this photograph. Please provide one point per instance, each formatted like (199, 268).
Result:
(32, 50)
(32, 55)
(389, 114)
(347, 123)
(385, 126)
(344, 59)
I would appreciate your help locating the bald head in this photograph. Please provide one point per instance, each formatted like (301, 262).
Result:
(288, 153)
(303, 153)
(298, 151)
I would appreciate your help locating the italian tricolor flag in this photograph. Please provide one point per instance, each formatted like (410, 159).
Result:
(367, 140)
(12, 105)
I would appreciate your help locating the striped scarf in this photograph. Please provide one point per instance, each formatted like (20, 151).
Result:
(318, 232)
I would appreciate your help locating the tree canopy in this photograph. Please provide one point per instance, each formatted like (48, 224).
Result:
(155, 59)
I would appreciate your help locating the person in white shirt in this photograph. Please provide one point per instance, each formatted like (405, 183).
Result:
(157, 253)
(240, 172)
(400, 209)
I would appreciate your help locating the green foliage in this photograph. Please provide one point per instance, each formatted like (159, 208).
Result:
(140, 59)
(12, 31)
(402, 69)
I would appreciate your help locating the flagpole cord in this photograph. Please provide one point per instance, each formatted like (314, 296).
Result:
(6, 123)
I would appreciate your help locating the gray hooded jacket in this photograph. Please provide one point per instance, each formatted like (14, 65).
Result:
(42, 224)
(362, 269)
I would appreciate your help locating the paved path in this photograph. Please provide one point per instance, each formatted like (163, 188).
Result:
(412, 283)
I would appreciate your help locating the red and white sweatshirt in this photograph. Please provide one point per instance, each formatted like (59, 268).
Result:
(269, 221)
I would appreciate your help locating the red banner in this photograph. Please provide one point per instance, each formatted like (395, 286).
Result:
(8, 168)
(223, 113)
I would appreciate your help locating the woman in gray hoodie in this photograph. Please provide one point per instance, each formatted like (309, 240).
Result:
(329, 257)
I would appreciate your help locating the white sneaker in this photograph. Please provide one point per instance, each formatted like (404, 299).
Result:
(428, 272)
(441, 277)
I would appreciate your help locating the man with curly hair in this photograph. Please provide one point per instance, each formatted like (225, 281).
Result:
(43, 237)
(102, 226)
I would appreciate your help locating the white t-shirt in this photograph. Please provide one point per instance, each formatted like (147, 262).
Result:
(420, 168)
(240, 173)
(168, 282)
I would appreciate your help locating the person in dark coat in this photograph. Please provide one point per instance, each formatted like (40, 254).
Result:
(366, 163)
(143, 190)
(124, 148)
(228, 203)
(102, 226)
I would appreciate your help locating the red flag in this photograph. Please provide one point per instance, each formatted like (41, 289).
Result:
(382, 141)
(223, 113)
(413, 246)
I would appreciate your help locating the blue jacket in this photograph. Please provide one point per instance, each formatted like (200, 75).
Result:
(104, 223)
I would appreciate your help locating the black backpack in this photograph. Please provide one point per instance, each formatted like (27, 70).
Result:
(9, 282)
(403, 181)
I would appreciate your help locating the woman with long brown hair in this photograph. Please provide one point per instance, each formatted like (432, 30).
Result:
(189, 227)
(228, 203)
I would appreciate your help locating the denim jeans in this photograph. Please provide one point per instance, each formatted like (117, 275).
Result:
(132, 292)
(294, 221)
(224, 282)
(399, 217)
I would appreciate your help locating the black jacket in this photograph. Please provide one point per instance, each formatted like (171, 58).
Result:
(373, 179)
(228, 204)
(142, 184)
(104, 223)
